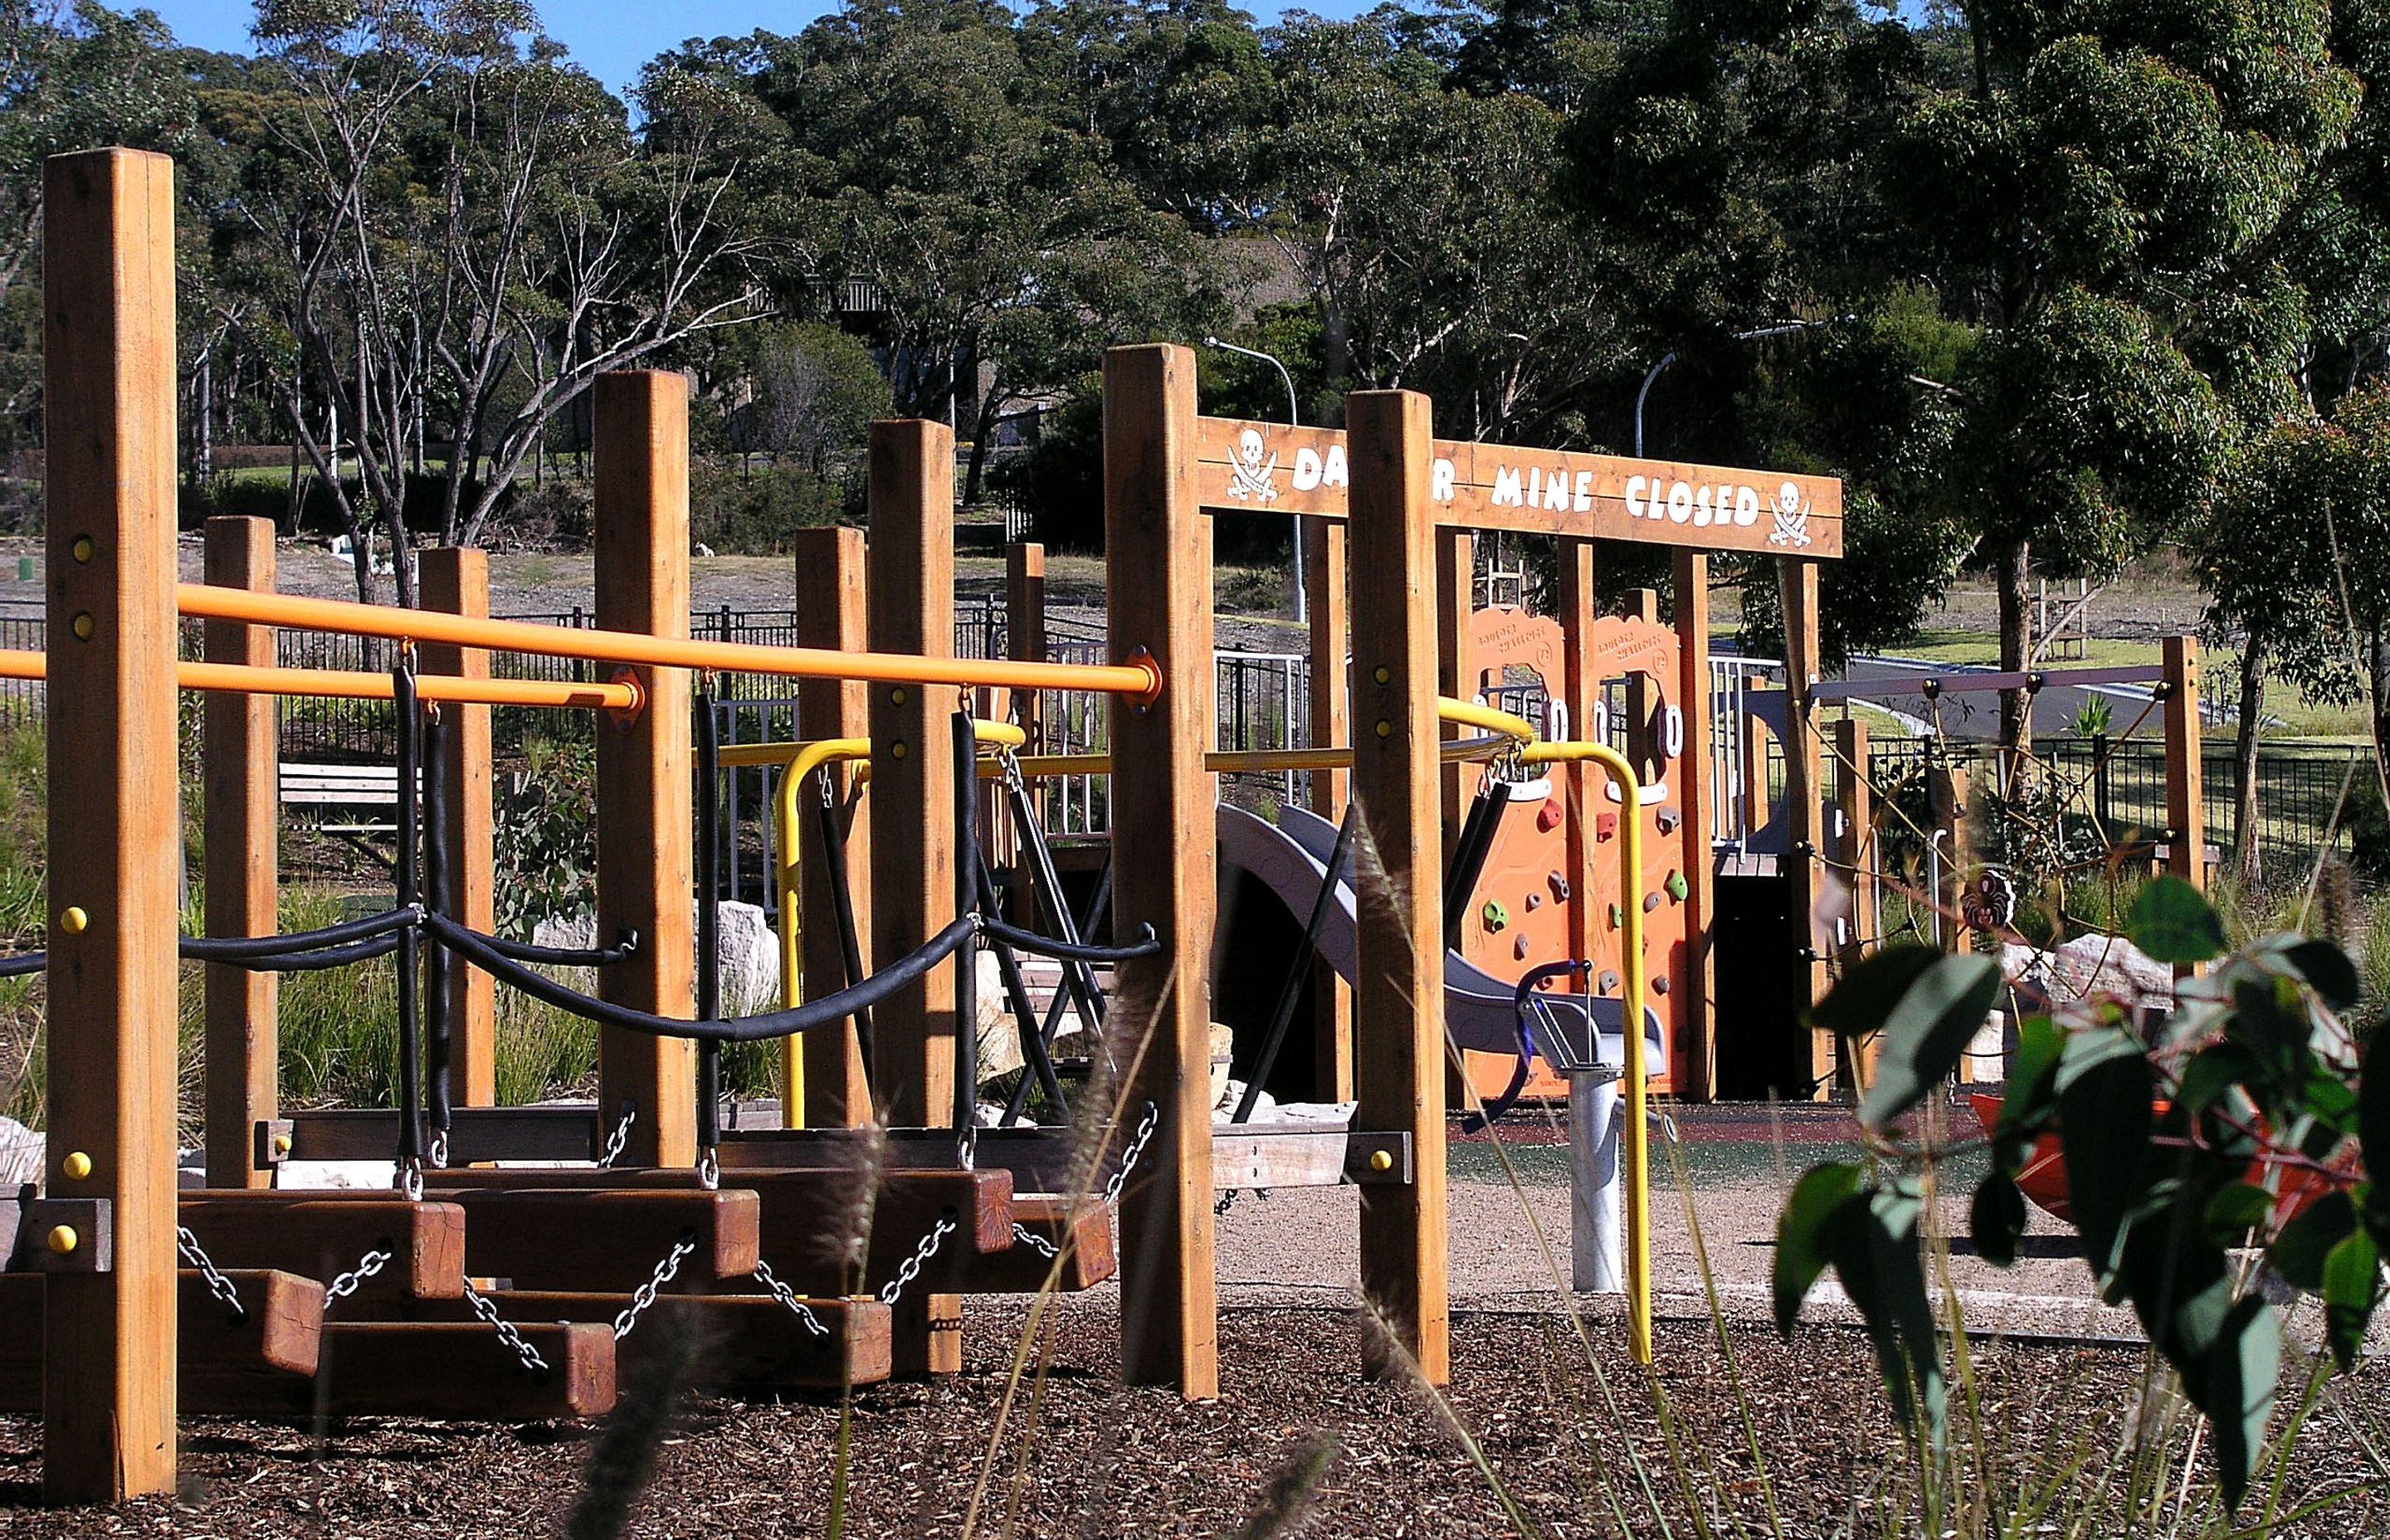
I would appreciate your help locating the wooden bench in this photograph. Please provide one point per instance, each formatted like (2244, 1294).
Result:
(317, 791)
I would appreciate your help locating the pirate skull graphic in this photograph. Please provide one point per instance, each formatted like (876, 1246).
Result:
(1792, 517)
(1251, 475)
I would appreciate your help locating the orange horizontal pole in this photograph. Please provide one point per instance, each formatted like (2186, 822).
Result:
(1141, 678)
(346, 685)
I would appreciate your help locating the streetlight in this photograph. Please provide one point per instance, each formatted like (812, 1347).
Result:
(1293, 415)
(1782, 329)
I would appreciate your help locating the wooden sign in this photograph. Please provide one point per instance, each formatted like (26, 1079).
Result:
(1261, 466)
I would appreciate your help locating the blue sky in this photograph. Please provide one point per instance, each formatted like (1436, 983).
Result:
(610, 38)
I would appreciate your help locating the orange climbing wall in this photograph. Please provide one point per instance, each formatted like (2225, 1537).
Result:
(1520, 915)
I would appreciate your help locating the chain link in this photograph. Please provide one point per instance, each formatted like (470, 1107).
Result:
(505, 1329)
(440, 1149)
(1145, 1127)
(407, 1180)
(788, 1296)
(620, 1137)
(709, 1170)
(911, 1266)
(220, 1286)
(1023, 1234)
(346, 1284)
(666, 1270)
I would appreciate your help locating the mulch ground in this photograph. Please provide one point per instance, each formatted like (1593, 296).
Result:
(1079, 1456)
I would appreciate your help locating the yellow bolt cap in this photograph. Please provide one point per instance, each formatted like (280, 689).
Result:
(282, 1144)
(1385, 728)
(85, 626)
(1382, 1160)
(63, 1238)
(897, 694)
(77, 1165)
(896, 751)
(1384, 673)
(74, 921)
(84, 547)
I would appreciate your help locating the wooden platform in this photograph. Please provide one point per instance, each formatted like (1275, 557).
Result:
(747, 1343)
(324, 1235)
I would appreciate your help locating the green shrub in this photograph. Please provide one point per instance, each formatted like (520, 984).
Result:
(753, 513)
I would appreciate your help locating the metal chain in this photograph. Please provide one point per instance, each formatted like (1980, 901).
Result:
(407, 1179)
(708, 1170)
(620, 1137)
(646, 1294)
(505, 1329)
(440, 1149)
(1146, 1125)
(1023, 1234)
(911, 1266)
(220, 1286)
(788, 1296)
(346, 1284)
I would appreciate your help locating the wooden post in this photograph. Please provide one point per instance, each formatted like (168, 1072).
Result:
(914, 863)
(1803, 789)
(1398, 991)
(1694, 1058)
(1325, 582)
(457, 579)
(1025, 639)
(240, 767)
(108, 374)
(1945, 795)
(646, 804)
(1580, 691)
(1643, 697)
(835, 1089)
(1855, 853)
(1456, 670)
(1165, 843)
(2186, 768)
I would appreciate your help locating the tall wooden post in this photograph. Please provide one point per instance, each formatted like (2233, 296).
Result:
(1398, 990)
(1803, 786)
(1327, 597)
(2186, 767)
(646, 804)
(1580, 692)
(1025, 639)
(108, 374)
(1945, 796)
(914, 863)
(1855, 853)
(836, 1090)
(1692, 1061)
(457, 579)
(240, 770)
(1164, 844)
(1456, 670)
(1643, 697)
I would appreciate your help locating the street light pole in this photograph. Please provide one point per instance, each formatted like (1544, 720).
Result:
(1302, 594)
(1782, 329)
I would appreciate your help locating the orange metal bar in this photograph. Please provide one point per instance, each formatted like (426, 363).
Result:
(615, 695)
(1139, 678)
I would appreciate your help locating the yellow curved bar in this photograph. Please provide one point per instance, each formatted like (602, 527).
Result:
(1247, 761)
(1633, 1151)
(740, 755)
(1468, 713)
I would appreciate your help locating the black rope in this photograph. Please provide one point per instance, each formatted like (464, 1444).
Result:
(23, 964)
(410, 938)
(907, 969)
(438, 888)
(841, 906)
(1469, 853)
(1033, 1051)
(1076, 975)
(1147, 944)
(965, 745)
(709, 913)
(1053, 1024)
(1298, 973)
(625, 947)
(239, 950)
(318, 961)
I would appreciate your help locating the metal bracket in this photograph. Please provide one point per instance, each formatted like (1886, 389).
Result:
(1378, 1159)
(271, 1142)
(65, 1235)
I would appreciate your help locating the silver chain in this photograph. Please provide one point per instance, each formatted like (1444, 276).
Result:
(621, 1136)
(646, 1294)
(407, 1180)
(911, 1266)
(708, 1170)
(1024, 1235)
(346, 1284)
(440, 1149)
(505, 1329)
(1146, 1125)
(218, 1285)
(788, 1296)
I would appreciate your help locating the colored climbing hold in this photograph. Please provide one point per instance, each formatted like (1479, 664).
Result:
(1678, 886)
(1607, 984)
(1668, 820)
(1617, 916)
(1494, 914)
(1519, 950)
(1558, 885)
(1650, 902)
(1605, 826)
(1548, 817)
(1660, 984)
(1534, 902)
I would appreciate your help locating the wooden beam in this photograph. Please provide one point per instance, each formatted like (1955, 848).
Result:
(1855, 854)
(2186, 767)
(456, 580)
(1692, 1058)
(646, 798)
(324, 1235)
(911, 562)
(605, 1237)
(108, 386)
(277, 1336)
(1803, 861)
(240, 776)
(1325, 582)
(1398, 989)
(1024, 637)
(1158, 579)
(1579, 608)
(830, 614)
(1456, 670)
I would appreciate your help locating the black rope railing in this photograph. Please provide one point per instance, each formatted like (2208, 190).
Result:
(237, 950)
(23, 964)
(1147, 944)
(625, 947)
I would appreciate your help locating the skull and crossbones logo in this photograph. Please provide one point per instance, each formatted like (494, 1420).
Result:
(1792, 517)
(1249, 474)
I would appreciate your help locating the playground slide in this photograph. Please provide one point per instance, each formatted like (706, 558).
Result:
(1480, 1011)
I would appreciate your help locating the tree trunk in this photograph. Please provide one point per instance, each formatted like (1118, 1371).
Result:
(2377, 660)
(975, 469)
(2244, 756)
(2011, 570)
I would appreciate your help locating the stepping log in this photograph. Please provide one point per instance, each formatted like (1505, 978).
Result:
(744, 1343)
(605, 1239)
(324, 1235)
(223, 1364)
(448, 1370)
(1081, 1229)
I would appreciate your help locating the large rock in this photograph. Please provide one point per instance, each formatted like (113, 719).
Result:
(20, 1153)
(2088, 967)
(749, 950)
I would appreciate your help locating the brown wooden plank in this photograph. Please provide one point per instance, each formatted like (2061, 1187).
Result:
(1692, 1070)
(747, 1343)
(646, 804)
(2186, 789)
(322, 1235)
(220, 1358)
(1854, 855)
(831, 614)
(1803, 788)
(1398, 983)
(239, 770)
(911, 561)
(1329, 596)
(455, 1371)
(1577, 605)
(1159, 581)
(108, 390)
(589, 1237)
(457, 579)
(1492, 486)
(1024, 637)
(1081, 1229)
